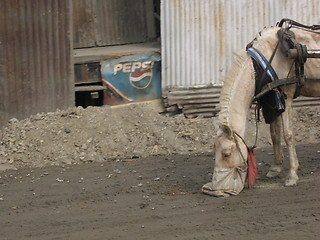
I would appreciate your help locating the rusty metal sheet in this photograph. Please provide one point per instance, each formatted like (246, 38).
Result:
(109, 22)
(199, 38)
(204, 101)
(35, 62)
(87, 55)
(193, 102)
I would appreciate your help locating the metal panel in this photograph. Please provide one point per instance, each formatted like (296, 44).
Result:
(35, 62)
(87, 73)
(109, 22)
(199, 37)
(193, 102)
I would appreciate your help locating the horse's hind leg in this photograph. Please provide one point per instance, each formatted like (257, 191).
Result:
(292, 176)
(275, 132)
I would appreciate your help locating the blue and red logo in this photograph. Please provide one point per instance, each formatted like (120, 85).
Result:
(133, 80)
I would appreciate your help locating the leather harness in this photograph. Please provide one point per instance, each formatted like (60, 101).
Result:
(267, 81)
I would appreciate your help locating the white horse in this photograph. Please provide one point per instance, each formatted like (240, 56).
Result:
(237, 94)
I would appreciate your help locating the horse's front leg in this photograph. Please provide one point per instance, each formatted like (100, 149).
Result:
(275, 132)
(292, 176)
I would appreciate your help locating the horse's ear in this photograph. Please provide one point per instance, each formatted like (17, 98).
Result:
(227, 130)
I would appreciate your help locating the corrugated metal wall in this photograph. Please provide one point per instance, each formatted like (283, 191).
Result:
(199, 36)
(36, 69)
(109, 22)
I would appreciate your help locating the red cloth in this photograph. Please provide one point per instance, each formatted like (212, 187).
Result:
(252, 168)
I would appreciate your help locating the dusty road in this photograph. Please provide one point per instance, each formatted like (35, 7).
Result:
(157, 198)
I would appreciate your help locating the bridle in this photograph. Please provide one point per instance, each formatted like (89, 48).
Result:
(249, 148)
(235, 136)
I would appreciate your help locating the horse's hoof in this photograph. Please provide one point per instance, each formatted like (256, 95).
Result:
(290, 182)
(273, 174)
(274, 171)
(292, 179)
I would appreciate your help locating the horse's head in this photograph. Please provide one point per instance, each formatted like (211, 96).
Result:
(230, 167)
(230, 151)
(225, 148)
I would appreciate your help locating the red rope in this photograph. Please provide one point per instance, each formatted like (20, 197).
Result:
(252, 167)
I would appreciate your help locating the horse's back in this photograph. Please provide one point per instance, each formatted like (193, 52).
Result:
(311, 88)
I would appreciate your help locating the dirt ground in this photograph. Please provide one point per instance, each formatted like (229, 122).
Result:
(157, 198)
(100, 174)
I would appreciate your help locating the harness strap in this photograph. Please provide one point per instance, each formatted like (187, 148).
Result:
(266, 65)
(297, 24)
(288, 42)
(251, 162)
(244, 142)
(272, 85)
(238, 147)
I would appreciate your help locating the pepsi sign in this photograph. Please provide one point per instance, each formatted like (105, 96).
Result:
(132, 78)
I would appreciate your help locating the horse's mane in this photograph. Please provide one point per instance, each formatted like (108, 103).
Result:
(264, 37)
(230, 86)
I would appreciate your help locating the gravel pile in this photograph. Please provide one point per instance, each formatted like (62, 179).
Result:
(97, 134)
